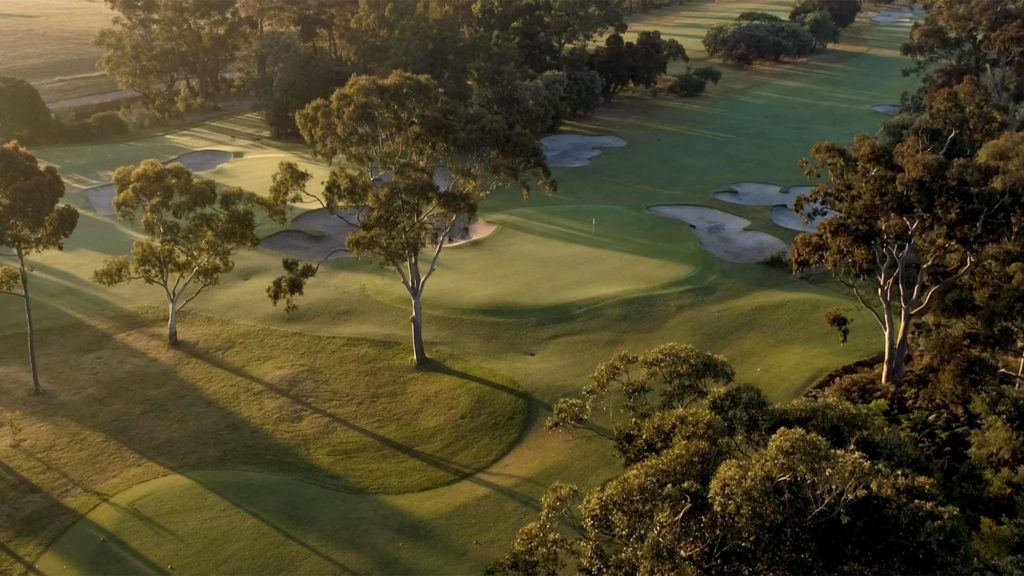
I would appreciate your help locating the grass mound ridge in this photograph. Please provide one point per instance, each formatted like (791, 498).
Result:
(348, 413)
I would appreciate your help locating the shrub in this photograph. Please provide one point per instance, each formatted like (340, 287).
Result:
(107, 124)
(688, 85)
(842, 12)
(709, 73)
(746, 42)
(23, 114)
(823, 28)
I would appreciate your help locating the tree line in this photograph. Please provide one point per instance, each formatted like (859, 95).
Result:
(548, 59)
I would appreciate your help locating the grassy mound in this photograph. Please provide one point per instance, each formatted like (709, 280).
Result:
(122, 408)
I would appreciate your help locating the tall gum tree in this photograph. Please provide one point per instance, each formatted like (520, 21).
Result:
(32, 220)
(192, 230)
(407, 162)
(910, 223)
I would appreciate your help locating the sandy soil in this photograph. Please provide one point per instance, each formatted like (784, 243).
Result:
(318, 235)
(315, 235)
(102, 197)
(754, 194)
(887, 109)
(723, 234)
(899, 15)
(478, 230)
(575, 150)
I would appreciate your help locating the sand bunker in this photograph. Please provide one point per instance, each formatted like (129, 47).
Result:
(316, 235)
(723, 234)
(478, 230)
(574, 150)
(899, 15)
(203, 160)
(754, 194)
(887, 109)
(319, 235)
(102, 197)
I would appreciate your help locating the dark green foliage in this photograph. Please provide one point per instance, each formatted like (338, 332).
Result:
(709, 73)
(746, 43)
(640, 63)
(840, 322)
(32, 220)
(23, 114)
(688, 85)
(744, 487)
(694, 82)
(822, 27)
(842, 12)
(302, 78)
(757, 17)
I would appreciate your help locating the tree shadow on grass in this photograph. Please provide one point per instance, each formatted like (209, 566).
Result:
(15, 483)
(132, 417)
(456, 470)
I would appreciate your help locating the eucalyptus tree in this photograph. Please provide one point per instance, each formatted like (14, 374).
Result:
(192, 232)
(736, 485)
(32, 220)
(407, 162)
(156, 46)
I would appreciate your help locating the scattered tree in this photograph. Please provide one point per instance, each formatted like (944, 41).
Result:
(407, 162)
(842, 12)
(743, 43)
(192, 233)
(32, 220)
(640, 63)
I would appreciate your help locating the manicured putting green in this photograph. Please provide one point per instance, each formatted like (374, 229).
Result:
(557, 257)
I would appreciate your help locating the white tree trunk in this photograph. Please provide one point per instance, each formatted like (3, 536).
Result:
(33, 363)
(172, 322)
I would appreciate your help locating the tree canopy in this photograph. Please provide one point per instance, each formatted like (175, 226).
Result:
(737, 485)
(192, 229)
(32, 220)
(407, 162)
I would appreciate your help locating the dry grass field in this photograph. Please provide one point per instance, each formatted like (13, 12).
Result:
(49, 43)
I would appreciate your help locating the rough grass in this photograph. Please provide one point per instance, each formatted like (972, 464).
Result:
(50, 44)
(543, 301)
(346, 413)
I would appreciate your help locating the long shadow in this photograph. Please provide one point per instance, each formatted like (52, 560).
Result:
(16, 482)
(456, 470)
(144, 406)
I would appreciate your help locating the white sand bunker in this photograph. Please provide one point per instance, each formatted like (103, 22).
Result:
(574, 150)
(463, 234)
(102, 197)
(786, 216)
(723, 234)
(899, 15)
(203, 160)
(316, 235)
(319, 235)
(754, 194)
(887, 109)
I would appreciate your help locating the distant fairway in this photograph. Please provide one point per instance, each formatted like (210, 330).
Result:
(521, 317)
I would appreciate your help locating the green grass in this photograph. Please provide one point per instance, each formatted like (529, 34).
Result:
(50, 44)
(542, 301)
(349, 414)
